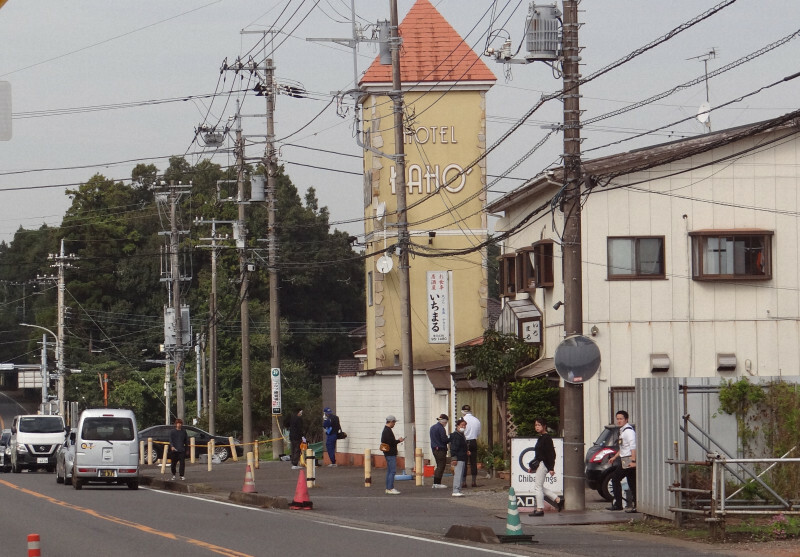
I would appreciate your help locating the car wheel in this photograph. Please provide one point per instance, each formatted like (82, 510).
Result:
(223, 453)
(133, 484)
(154, 454)
(15, 468)
(606, 491)
(59, 479)
(50, 469)
(77, 483)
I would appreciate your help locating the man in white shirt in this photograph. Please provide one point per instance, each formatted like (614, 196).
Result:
(472, 433)
(627, 467)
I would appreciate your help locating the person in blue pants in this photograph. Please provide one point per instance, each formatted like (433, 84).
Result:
(332, 427)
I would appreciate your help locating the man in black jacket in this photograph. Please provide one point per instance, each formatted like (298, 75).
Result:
(439, 443)
(178, 440)
(296, 436)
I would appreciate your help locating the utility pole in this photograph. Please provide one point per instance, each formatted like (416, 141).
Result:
(61, 262)
(574, 488)
(174, 241)
(406, 354)
(212, 337)
(241, 243)
(274, 289)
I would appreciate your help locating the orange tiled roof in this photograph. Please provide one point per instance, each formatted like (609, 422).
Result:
(431, 51)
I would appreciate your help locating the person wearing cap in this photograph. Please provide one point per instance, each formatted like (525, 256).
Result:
(472, 432)
(332, 427)
(458, 452)
(439, 441)
(389, 441)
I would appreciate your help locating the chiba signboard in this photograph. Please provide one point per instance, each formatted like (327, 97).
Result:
(438, 307)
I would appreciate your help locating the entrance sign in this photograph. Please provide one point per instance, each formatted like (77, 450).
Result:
(438, 307)
(523, 450)
(276, 390)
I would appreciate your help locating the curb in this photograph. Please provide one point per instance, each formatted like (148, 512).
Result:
(180, 487)
(258, 500)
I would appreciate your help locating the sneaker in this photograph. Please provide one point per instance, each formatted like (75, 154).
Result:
(332, 465)
(614, 508)
(182, 478)
(392, 492)
(537, 513)
(297, 467)
(458, 494)
(173, 478)
(439, 486)
(631, 509)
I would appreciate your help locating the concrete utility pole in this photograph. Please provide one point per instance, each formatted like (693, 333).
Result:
(174, 241)
(241, 242)
(212, 338)
(574, 489)
(61, 263)
(406, 354)
(274, 289)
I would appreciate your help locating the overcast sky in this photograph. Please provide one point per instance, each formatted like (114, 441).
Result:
(67, 60)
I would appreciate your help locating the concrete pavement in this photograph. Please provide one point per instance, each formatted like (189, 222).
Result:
(339, 495)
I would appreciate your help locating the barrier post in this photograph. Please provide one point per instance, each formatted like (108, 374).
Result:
(418, 465)
(311, 468)
(210, 453)
(164, 459)
(256, 458)
(149, 451)
(367, 468)
(191, 450)
(34, 549)
(141, 452)
(233, 450)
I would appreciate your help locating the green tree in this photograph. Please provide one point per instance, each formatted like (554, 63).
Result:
(495, 361)
(530, 399)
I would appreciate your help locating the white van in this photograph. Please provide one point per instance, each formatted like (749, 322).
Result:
(35, 440)
(106, 448)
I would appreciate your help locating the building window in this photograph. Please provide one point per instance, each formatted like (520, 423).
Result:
(543, 263)
(636, 257)
(508, 275)
(732, 255)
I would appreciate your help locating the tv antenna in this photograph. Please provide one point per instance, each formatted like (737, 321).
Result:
(703, 113)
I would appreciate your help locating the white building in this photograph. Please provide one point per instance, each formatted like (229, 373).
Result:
(690, 255)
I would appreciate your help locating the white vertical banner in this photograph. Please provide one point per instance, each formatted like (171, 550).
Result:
(438, 307)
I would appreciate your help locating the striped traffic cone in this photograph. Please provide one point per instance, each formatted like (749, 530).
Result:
(249, 481)
(301, 500)
(513, 525)
(33, 546)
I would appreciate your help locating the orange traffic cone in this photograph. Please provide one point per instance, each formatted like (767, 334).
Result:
(301, 500)
(249, 481)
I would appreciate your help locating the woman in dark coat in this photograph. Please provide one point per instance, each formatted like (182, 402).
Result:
(543, 464)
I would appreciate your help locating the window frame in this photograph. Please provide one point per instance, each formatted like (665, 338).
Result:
(699, 241)
(507, 275)
(543, 273)
(636, 273)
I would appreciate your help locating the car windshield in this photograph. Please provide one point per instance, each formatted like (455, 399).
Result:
(41, 424)
(606, 438)
(108, 429)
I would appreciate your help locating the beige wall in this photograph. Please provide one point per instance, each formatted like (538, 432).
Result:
(449, 133)
(689, 320)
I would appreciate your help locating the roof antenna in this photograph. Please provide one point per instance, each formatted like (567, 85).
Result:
(703, 113)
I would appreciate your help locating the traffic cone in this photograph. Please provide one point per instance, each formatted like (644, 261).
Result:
(249, 482)
(301, 500)
(513, 525)
(33, 546)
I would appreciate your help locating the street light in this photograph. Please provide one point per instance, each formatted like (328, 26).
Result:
(59, 366)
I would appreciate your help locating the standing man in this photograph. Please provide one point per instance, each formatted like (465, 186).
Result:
(389, 447)
(178, 439)
(472, 432)
(458, 452)
(296, 436)
(627, 464)
(332, 427)
(439, 442)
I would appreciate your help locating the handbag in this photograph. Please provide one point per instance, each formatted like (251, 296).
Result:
(626, 461)
(341, 435)
(534, 465)
(385, 447)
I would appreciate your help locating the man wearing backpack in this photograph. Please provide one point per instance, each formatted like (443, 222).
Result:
(333, 430)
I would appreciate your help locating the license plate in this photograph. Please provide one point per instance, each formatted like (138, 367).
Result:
(108, 473)
(41, 460)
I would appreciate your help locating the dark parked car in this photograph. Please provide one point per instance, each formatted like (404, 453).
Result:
(598, 470)
(65, 457)
(5, 454)
(160, 435)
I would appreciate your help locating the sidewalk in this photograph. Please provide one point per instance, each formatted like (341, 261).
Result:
(340, 493)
